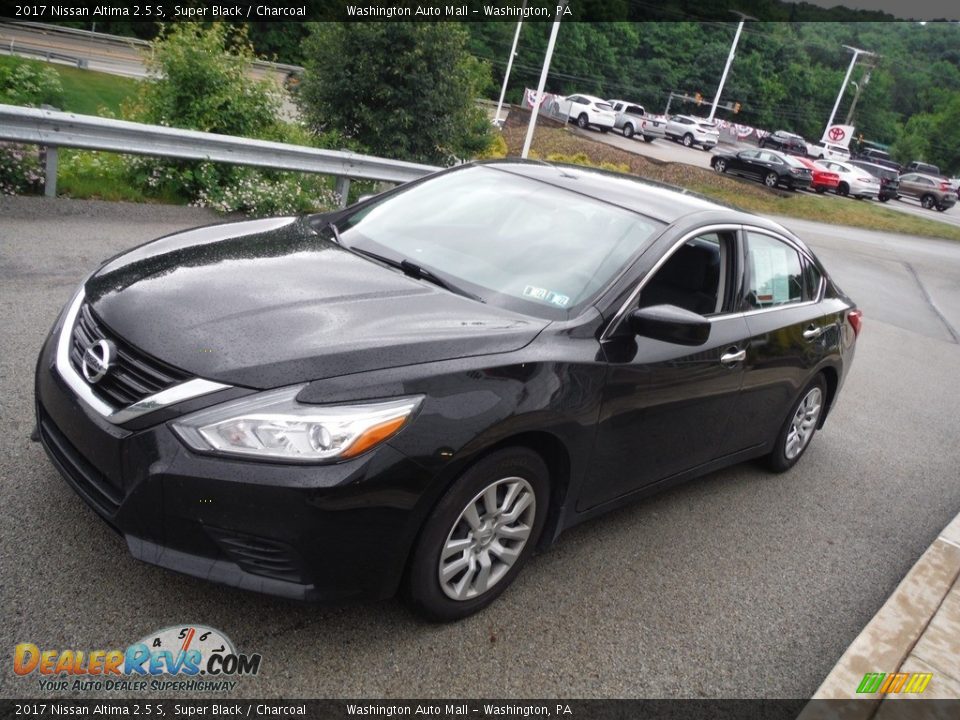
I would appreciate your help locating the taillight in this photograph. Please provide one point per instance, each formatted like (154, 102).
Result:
(856, 320)
(944, 187)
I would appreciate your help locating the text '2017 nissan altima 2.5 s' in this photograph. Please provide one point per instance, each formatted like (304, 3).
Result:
(418, 391)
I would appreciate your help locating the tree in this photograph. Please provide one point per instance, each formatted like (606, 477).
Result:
(401, 90)
(200, 81)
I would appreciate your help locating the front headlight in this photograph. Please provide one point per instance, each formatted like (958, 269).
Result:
(274, 426)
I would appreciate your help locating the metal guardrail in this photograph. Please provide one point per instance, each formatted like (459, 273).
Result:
(53, 129)
(128, 42)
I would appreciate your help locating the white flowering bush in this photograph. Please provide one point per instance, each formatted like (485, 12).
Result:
(20, 170)
(30, 84)
(259, 193)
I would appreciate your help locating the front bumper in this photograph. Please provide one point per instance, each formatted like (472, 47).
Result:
(330, 533)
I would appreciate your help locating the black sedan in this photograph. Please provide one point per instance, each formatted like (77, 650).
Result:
(418, 391)
(768, 166)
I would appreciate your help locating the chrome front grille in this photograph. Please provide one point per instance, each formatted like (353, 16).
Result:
(134, 376)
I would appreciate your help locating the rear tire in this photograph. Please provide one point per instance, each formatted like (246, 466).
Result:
(883, 198)
(928, 202)
(628, 131)
(688, 140)
(770, 180)
(648, 138)
(583, 121)
(843, 190)
(799, 427)
(941, 208)
(820, 190)
(480, 540)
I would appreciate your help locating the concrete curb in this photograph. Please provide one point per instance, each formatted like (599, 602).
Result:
(916, 630)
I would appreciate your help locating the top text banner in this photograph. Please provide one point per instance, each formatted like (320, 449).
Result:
(471, 10)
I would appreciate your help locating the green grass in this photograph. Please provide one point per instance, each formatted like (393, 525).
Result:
(862, 214)
(85, 91)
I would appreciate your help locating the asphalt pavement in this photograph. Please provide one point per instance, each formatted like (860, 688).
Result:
(739, 584)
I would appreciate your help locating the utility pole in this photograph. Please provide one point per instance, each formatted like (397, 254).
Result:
(506, 76)
(857, 52)
(543, 79)
(726, 68)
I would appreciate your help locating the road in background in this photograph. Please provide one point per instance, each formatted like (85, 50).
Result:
(740, 584)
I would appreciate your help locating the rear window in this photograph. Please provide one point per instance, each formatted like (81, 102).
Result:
(792, 161)
(603, 106)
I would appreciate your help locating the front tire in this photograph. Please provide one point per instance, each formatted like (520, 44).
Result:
(479, 535)
(720, 165)
(820, 190)
(799, 427)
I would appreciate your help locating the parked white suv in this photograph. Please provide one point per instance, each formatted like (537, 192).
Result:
(854, 181)
(692, 131)
(828, 151)
(586, 110)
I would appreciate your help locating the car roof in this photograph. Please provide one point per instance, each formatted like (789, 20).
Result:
(592, 98)
(625, 102)
(937, 178)
(652, 199)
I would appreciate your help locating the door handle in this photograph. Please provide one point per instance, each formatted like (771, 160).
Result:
(735, 356)
(812, 332)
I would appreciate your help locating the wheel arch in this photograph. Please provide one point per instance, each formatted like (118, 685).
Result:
(832, 378)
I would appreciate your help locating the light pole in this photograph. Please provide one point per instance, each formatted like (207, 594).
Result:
(857, 52)
(506, 76)
(543, 79)
(726, 68)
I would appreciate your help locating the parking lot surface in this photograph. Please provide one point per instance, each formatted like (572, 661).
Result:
(739, 584)
(669, 151)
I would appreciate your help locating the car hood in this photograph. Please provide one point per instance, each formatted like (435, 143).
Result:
(266, 303)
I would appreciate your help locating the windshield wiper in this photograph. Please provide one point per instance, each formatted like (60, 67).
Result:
(416, 271)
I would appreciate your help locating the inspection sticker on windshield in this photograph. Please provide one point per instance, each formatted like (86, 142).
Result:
(546, 295)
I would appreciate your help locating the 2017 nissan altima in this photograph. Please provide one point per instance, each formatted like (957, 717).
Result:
(419, 390)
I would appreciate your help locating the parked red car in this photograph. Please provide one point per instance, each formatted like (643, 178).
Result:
(823, 179)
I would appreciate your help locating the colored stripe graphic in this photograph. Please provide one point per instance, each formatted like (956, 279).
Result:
(901, 682)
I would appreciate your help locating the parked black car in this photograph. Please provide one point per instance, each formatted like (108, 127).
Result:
(889, 178)
(786, 142)
(768, 166)
(420, 389)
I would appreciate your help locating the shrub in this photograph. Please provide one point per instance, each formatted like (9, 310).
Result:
(402, 90)
(30, 84)
(20, 170)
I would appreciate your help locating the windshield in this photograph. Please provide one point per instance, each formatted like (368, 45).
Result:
(512, 241)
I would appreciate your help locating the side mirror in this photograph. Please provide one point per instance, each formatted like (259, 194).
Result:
(671, 324)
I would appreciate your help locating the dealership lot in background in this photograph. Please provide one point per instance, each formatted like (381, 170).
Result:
(738, 584)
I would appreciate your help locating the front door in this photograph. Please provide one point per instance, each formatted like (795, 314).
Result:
(666, 407)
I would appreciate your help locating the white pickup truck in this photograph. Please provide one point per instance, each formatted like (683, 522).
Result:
(653, 127)
(629, 117)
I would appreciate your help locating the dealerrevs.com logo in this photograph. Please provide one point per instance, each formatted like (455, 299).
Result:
(180, 657)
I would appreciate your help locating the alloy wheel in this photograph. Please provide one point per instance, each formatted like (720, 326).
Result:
(487, 538)
(804, 423)
(720, 166)
(770, 180)
(688, 140)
